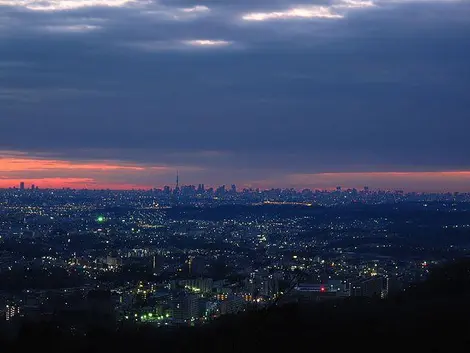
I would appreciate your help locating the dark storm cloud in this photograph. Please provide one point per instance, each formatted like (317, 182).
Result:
(384, 88)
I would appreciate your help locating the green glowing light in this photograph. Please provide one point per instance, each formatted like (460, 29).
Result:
(100, 219)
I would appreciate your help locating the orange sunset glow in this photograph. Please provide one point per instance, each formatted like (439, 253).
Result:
(11, 164)
(439, 181)
(73, 183)
(56, 173)
(417, 181)
(73, 174)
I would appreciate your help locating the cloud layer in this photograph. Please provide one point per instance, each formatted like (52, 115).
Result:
(237, 91)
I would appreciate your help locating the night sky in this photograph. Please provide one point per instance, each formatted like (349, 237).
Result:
(262, 93)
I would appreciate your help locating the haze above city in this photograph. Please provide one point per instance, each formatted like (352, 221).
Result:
(121, 94)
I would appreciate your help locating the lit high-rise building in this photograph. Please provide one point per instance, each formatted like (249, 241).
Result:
(185, 307)
(11, 311)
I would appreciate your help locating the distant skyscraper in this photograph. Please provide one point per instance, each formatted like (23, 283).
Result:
(33, 187)
(22, 185)
(220, 191)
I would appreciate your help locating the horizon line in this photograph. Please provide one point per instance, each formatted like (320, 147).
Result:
(332, 189)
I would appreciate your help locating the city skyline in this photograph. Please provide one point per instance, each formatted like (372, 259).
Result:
(327, 183)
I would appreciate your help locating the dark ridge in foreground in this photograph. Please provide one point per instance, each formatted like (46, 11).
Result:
(433, 316)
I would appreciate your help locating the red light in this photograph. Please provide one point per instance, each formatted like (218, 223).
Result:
(322, 289)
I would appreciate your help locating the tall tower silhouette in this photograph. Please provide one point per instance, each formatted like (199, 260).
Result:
(176, 191)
